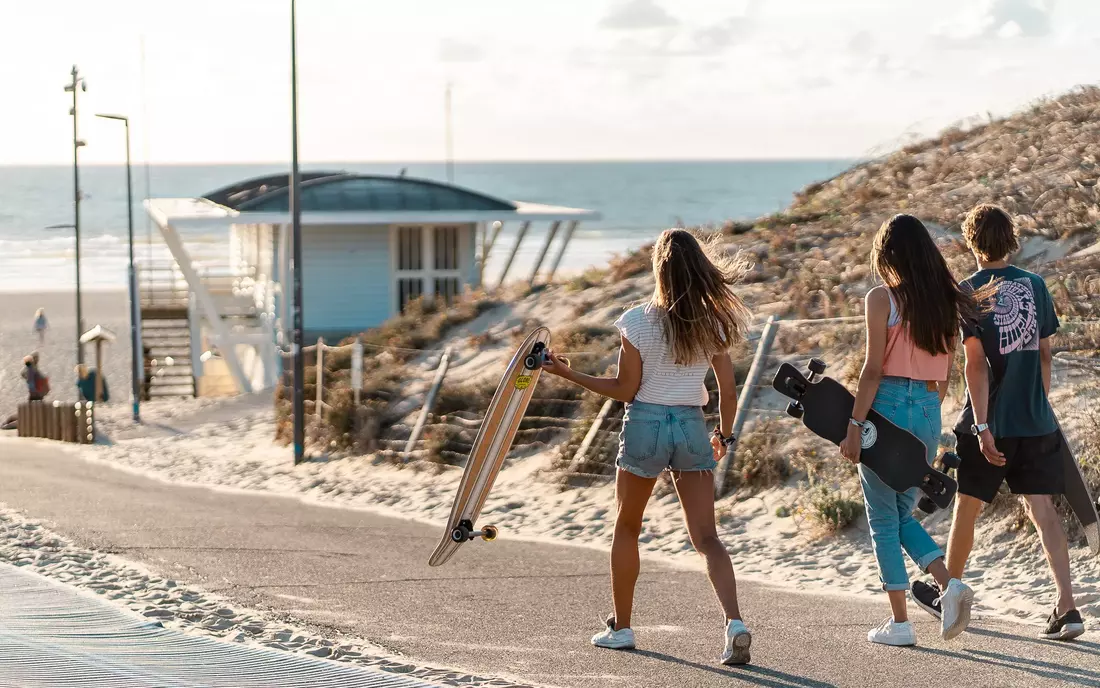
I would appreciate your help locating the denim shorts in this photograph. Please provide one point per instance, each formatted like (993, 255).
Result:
(656, 438)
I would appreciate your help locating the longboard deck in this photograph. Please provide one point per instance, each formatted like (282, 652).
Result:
(895, 455)
(1078, 497)
(494, 440)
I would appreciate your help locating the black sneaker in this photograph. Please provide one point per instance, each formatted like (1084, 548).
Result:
(927, 597)
(1065, 627)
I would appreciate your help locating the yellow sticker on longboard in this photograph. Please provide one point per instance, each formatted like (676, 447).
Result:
(523, 382)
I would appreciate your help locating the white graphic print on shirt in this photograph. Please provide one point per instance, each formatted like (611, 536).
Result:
(1015, 316)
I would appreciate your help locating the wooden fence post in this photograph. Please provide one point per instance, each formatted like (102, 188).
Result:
(318, 409)
(357, 369)
(590, 436)
(429, 402)
(744, 403)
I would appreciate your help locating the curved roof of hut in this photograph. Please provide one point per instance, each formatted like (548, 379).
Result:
(343, 192)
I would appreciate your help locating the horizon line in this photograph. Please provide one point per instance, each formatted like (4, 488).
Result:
(484, 161)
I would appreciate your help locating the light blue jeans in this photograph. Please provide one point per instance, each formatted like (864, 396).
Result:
(911, 405)
(656, 438)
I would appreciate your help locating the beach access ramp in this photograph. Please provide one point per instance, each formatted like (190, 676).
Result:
(54, 635)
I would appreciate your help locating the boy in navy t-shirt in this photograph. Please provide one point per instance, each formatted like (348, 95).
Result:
(1007, 431)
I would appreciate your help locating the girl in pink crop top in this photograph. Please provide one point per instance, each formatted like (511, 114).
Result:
(912, 326)
(904, 359)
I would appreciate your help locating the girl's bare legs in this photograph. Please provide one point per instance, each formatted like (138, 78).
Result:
(631, 495)
(696, 492)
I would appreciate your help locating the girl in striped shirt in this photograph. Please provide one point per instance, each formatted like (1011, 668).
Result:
(668, 346)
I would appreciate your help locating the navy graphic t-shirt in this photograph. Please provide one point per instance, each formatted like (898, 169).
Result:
(1023, 315)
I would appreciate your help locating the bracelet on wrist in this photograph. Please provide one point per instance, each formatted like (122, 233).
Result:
(722, 439)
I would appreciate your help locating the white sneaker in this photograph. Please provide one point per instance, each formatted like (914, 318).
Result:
(955, 604)
(897, 634)
(738, 640)
(622, 639)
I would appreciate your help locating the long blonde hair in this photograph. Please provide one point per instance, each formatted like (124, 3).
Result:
(701, 314)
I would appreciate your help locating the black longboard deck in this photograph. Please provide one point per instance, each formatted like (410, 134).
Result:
(896, 456)
(1078, 497)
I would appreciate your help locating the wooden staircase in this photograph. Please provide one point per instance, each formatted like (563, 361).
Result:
(166, 331)
(166, 326)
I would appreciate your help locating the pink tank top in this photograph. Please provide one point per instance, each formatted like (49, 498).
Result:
(906, 359)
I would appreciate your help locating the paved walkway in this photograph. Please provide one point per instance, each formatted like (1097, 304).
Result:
(52, 635)
(516, 609)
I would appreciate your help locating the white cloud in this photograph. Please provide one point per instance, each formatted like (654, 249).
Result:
(718, 37)
(1004, 19)
(454, 50)
(638, 14)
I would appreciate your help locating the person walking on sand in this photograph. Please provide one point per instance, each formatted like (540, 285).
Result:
(41, 325)
(667, 347)
(912, 331)
(1007, 430)
(38, 385)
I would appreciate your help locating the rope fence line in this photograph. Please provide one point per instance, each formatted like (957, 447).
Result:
(606, 422)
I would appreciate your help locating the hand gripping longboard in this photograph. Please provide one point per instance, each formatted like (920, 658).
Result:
(895, 455)
(491, 446)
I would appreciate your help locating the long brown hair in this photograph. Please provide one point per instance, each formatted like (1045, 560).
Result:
(702, 316)
(930, 301)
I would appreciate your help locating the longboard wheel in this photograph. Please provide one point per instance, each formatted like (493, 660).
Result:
(530, 363)
(460, 533)
(951, 460)
(795, 410)
(489, 533)
(817, 366)
(926, 505)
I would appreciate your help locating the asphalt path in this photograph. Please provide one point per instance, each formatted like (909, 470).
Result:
(513, 609)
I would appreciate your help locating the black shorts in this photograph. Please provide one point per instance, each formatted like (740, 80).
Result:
(1033, 466)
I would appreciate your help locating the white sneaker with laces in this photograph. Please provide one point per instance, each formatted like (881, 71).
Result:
(738, 641)
(622, 639)
(898, 634)
(955, 603)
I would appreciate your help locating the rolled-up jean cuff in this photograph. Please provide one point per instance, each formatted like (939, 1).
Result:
(895, 586)
(924, 562)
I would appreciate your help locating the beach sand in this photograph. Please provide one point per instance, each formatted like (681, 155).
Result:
(57, 357)
(1007, 569)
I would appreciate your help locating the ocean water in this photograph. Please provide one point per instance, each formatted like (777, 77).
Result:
(637, 200)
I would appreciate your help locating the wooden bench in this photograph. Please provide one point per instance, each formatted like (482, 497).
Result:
(57, 420)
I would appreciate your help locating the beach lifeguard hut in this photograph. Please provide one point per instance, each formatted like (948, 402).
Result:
(370, 245)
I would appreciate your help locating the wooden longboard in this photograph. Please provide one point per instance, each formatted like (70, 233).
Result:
(491, 446)
(1077, 494)
(896, 456)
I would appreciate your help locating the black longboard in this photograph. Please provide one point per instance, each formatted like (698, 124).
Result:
(896, 456)
(1078, 497)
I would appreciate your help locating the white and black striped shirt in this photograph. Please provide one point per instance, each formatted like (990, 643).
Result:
(663, 381)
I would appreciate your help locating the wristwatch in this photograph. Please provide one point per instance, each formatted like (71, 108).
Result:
(979, 429)
(858, 423)
(722, 439)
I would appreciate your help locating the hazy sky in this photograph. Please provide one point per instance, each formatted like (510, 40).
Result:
(533, 80)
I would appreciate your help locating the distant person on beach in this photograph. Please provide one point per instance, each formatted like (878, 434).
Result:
(912, 321)
(41, 325)
(86, 381)
(668, 346)
(147, 369)
(1007, 431)
(38, 385)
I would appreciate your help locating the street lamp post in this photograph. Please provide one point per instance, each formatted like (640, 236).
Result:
(77, 84)
(296, 240)
(135, 366)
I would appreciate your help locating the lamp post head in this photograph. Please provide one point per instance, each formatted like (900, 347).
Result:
(120, 118)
